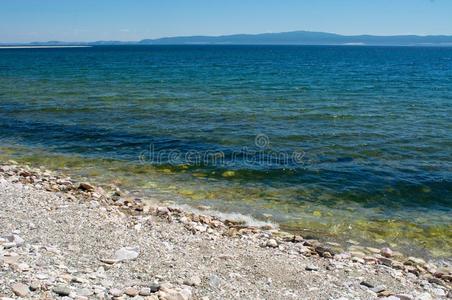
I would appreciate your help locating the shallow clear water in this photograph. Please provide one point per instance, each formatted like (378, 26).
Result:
(352, 142)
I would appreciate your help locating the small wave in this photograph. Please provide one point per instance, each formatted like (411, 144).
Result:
(245, 219)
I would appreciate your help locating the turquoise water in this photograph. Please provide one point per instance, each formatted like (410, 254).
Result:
(352, 142)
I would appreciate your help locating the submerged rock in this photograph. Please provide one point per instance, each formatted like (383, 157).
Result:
(228, 174)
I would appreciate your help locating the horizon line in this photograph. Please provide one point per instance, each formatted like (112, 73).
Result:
(224, 35)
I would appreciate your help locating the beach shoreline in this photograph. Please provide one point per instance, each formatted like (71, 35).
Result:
(178, 254)
(325, 156)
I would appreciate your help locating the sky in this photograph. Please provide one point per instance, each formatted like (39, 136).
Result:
(130, 20)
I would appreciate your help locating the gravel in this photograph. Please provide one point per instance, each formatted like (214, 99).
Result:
(69, 246)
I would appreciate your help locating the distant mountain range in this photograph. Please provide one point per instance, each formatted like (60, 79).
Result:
(283, 38)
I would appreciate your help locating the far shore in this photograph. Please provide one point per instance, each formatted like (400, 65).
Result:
(40, 47)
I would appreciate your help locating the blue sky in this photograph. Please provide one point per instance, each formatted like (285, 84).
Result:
(88, 20)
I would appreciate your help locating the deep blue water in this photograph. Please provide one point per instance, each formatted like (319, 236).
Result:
(371, 129)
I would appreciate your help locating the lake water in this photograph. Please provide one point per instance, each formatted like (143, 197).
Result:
(332, 142)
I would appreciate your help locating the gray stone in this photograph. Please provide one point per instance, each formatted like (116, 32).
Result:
(35, 285)
(424, 296)
(311, 268)
(145, 292)
(155, 287)
(86, 292)
(127, 253)
(173, 294)
(439, 292)
(61, 290)
(214, 281)
(17, 240)
(378, 289)
(116, 292)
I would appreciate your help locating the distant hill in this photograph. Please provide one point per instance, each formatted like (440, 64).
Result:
(283, 38)
(305, 38)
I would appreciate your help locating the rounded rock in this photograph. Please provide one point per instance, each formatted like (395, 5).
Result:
(20, 289)
(272, 243)
(386, 252)
(131, 291)
(145, 292)
(116, 292)
(61, 290)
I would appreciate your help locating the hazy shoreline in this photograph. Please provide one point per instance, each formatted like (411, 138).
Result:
(285, 38)
(41, 47)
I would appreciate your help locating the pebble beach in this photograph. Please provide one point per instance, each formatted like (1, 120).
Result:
(62, 239)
